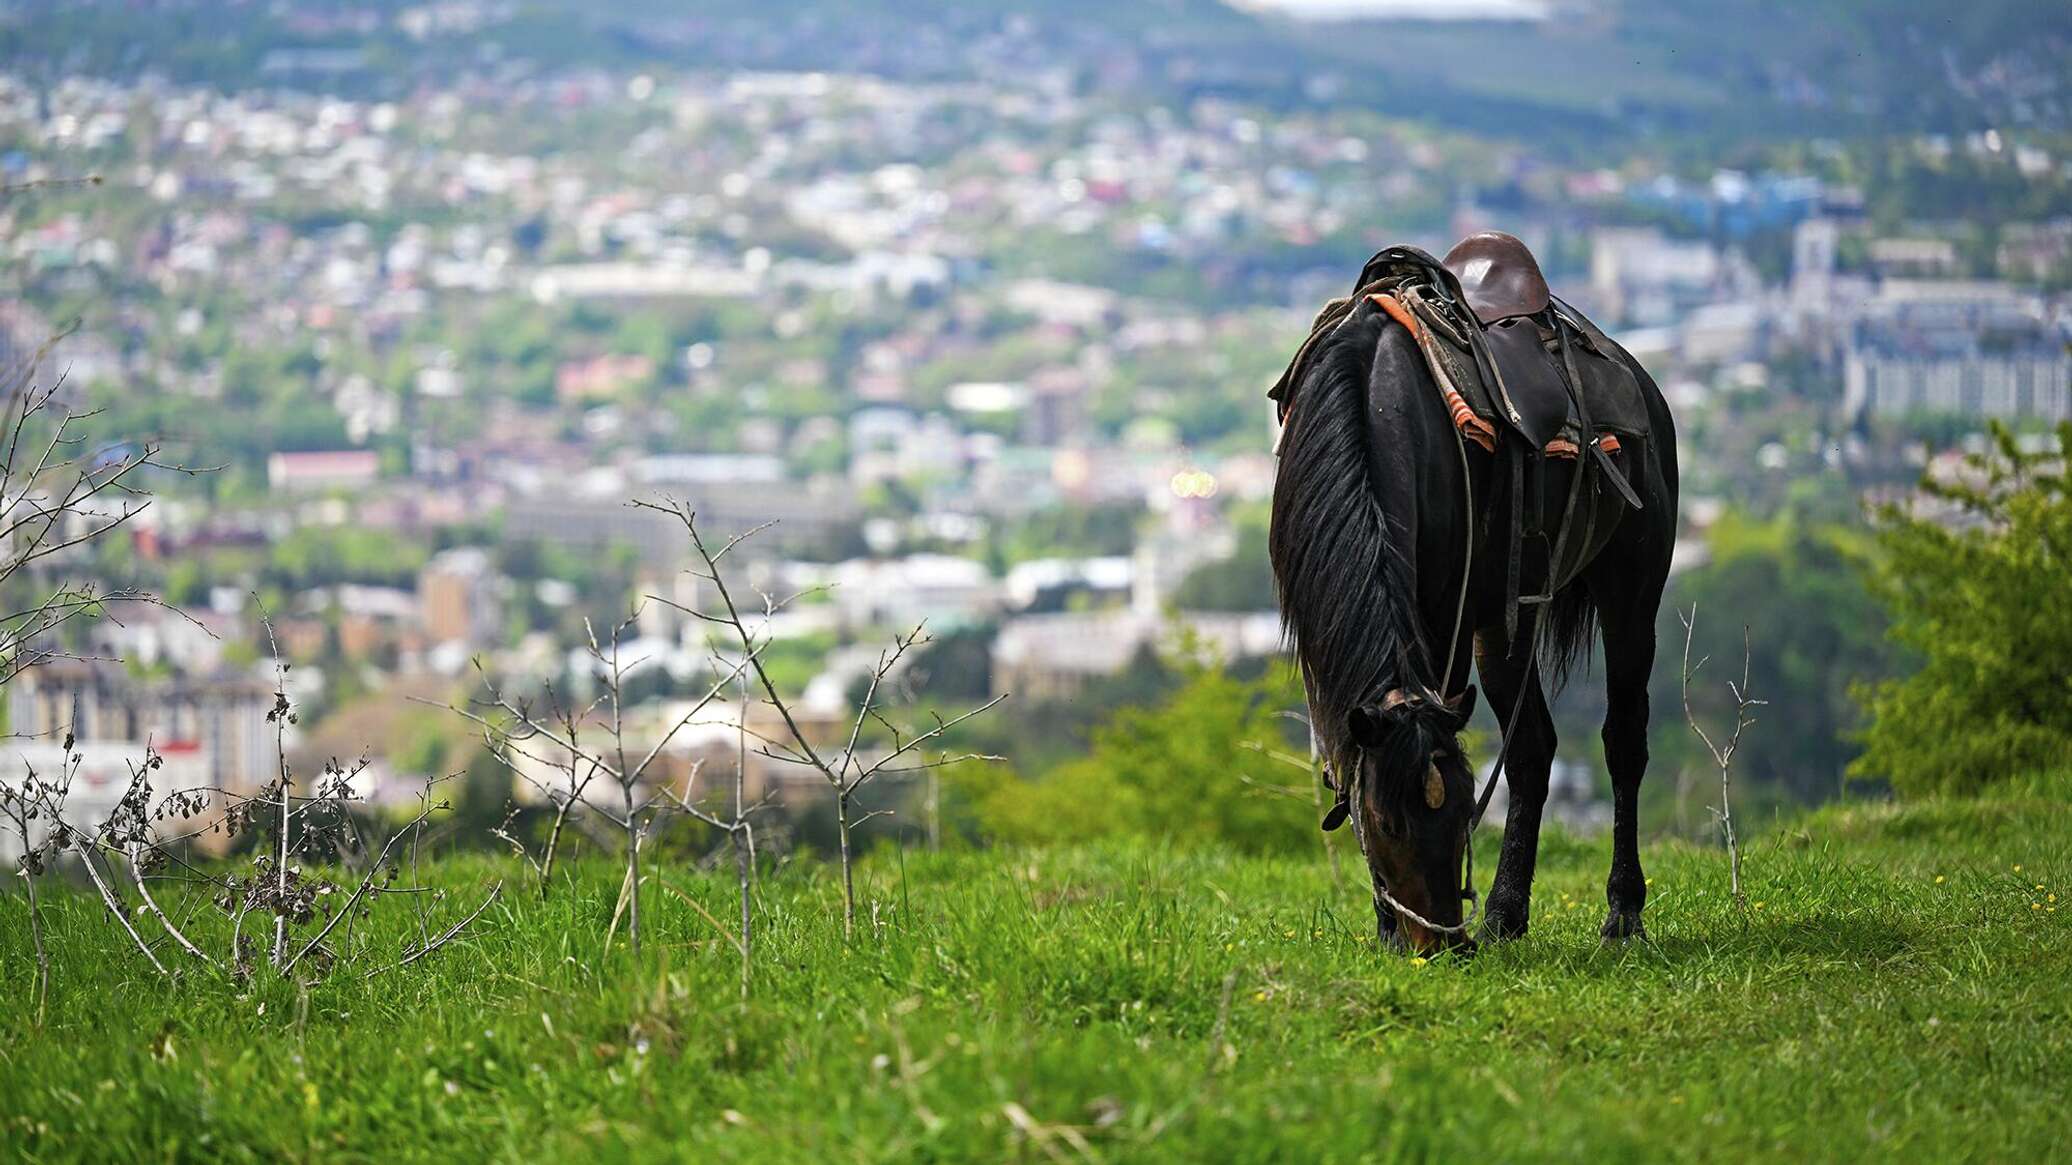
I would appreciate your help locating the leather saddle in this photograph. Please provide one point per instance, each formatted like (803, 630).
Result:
(1498, 276)
(1503, 288)
(1520, 357)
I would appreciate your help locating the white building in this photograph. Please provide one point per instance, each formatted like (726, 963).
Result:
(1054, 656)
(96, 786)
(939, 589)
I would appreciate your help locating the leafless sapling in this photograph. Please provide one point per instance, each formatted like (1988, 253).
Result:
(858, 762)
(26, 808)
(559, 737)
(1722, 753)
(58, 493)
(316, 818)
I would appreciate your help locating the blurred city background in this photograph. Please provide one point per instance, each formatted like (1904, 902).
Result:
(977, 303)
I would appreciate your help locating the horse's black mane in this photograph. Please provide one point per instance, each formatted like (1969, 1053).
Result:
(1339, 569)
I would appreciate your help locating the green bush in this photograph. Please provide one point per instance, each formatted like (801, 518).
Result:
(1980, 595)
(1197, 768)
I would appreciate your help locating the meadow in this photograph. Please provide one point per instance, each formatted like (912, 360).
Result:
(1896, 989)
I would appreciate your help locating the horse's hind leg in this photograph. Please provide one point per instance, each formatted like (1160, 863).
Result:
(1629, 658)
(1525, 774)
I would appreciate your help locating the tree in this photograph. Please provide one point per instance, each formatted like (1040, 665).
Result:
(1974, 579)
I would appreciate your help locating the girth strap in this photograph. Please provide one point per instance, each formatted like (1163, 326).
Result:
(1516, 550)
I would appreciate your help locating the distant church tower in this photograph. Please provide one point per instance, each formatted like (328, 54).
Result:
(1813, 265)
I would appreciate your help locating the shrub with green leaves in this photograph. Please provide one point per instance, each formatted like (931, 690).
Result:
(1978, 591)
(1211, 763)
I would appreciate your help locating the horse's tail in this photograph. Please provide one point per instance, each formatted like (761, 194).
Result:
(1338, 570)
(1571, 629)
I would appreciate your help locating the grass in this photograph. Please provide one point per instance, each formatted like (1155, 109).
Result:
(1898, 990)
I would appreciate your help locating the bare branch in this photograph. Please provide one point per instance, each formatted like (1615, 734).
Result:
(151, 906)
(941, 727)
(446, 936)
(109, 900)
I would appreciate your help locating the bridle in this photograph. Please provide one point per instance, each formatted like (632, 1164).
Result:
(1354, 788)
(1474, 820)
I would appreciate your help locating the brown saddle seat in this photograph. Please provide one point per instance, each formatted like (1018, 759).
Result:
(1498, 276)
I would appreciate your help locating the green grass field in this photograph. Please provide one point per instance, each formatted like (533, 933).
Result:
(1897, 991)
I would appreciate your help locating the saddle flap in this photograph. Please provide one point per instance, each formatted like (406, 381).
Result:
(1528, 381)
(1612, 391)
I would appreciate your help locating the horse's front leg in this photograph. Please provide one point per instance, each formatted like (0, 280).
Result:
(1531, 754)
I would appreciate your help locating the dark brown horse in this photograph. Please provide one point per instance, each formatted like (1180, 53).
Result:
(1389, 547)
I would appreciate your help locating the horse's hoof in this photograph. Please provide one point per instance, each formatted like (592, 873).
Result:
(1621, 925)
(1504, 921)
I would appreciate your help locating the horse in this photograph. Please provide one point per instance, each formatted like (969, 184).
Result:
(1387, 537)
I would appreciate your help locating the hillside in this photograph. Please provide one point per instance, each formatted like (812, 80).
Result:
(1896, 991)
(1597, 74)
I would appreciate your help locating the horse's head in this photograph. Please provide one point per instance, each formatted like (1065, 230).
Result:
(1416, 805)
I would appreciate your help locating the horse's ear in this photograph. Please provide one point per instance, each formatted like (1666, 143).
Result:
(1367, 724)
(1462, 707)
